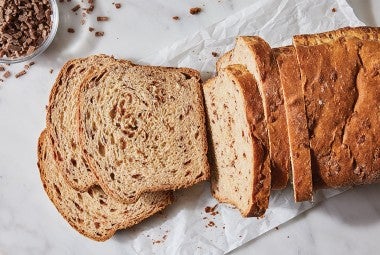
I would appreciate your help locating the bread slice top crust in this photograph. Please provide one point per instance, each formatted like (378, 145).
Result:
(342, 102)
(240, 173)
(62, 120)
(143, 129)
(92, 213)
(297, 123)
(256, 55)
(361, 33)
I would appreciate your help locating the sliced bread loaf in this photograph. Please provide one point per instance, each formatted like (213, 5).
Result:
(143, 129)
(92, 213)
(340, 78)
(297, 123)
(62, 120)
(240, 172)
(254, 53)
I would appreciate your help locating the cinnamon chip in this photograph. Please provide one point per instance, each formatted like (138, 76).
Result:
(99, 33)
(7, 74)
(102, 18)
(118, 5)
(20, 74)
(71, 30)
(195, 10)
(76, 7)
(24, 26)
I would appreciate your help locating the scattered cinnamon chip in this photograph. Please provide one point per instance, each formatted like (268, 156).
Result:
(91, 29)
(7, 74)
(51, 70)
(195, 10)
(20, 74)
(214, 54)
(2, 69)
(176, 18)
(99, 33)
(118, 5)
(102, 18)
(276, 228)
(76, 7)
(32, 63)
(333, 9)
(71, 30)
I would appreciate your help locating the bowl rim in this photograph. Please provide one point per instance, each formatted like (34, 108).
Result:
(53, 31)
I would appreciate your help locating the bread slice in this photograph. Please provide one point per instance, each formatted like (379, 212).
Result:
(254, 53)
(240, 174)
(143, 129)
(62, 120)
(297, 123)
(340, 77)
(92, 213)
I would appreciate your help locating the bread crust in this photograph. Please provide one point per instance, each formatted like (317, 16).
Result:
(260, 172)
(153, 188)
(272, 95)
(297, 123)
(335, 74)
(44, 144)
(259, 54)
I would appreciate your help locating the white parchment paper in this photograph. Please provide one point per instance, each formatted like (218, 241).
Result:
(185, 228)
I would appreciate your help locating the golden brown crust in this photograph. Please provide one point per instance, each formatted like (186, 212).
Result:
(200, 108)
(297, 123)
(362, 33)
(272, 95)
(45, 144)
(337, 90)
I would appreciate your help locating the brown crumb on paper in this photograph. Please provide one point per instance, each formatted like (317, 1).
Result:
(7, 74)
(91, 29)
(276, 228)
(195, 10)
(76, 7)
(102, 18)
(71, 30)
(211, 210)
(51, 70)
(118, 5)
(211, 224)
(333, 9)
(2, 69)
(214, 54)
(23, 72)
(176, 18)
(99, 34)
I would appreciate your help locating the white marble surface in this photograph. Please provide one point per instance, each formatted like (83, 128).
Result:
(347, 224)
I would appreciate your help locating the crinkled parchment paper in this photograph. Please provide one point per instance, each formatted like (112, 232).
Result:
(185, 227)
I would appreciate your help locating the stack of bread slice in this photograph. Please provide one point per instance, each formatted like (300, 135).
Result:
(310, 110)
(119, 138)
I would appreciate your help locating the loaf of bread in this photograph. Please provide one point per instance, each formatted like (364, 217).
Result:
(62, 120)
(92, 213)
(240, 170)
(254, 53)
(142, 129)
(296, 121)
(340, 78)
